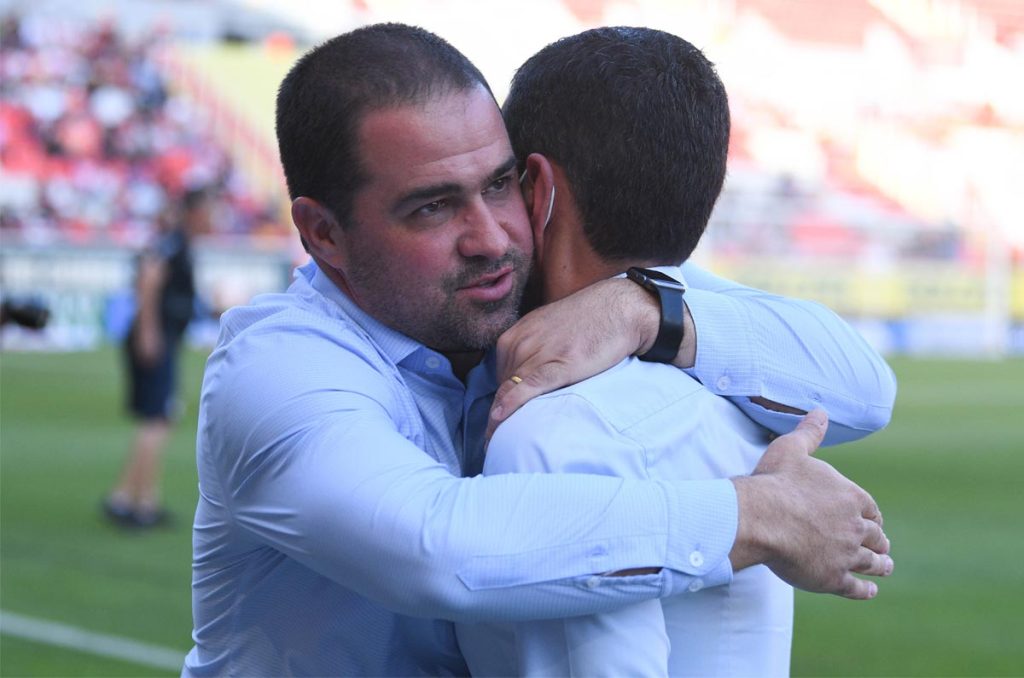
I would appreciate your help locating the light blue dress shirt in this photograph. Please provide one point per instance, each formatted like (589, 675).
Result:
(640, 420)
(334, 535)
(752, 343)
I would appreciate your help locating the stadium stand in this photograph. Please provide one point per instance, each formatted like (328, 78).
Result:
(875, 142)
(94, 144)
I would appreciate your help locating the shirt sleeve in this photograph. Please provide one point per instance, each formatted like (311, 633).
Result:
(555, 435)
(797, 353)
(320, 470)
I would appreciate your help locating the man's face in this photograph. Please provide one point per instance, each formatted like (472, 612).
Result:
(440, 245)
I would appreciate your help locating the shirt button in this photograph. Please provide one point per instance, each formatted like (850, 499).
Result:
(593, 582)
(723, 383)
(696, 559)
(696, 585)
(433, 362)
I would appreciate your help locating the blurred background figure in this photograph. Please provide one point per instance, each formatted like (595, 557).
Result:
(165, 297)
(24, 312)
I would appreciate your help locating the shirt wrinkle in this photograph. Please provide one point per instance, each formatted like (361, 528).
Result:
(347, 589)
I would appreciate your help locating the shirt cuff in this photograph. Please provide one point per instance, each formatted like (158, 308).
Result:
(702, 521)
(726, 361)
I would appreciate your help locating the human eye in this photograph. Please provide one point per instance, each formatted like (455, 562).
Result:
(500, 186)
(432, 208)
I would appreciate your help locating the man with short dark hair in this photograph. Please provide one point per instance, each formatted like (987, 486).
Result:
(654, 106)
(334, 534)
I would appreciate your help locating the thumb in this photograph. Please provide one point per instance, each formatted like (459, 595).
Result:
(800, 442)
(809, 433)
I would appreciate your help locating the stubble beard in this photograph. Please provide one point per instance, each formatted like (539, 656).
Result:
(452, 325)
(476, 326)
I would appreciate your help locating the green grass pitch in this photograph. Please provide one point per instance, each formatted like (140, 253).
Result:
(947, 473)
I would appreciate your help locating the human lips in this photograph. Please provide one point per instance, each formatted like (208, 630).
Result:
(491, 286)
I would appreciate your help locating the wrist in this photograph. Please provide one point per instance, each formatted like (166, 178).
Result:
(671, 311)
(753, 544)
(646, 313)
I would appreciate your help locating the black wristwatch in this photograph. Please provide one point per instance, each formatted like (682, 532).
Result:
(670, 297)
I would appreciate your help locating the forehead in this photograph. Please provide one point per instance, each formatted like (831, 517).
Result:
(456, 137)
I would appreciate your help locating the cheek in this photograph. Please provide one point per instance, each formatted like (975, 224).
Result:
(426, 262)
(520, 234)
(517, 223)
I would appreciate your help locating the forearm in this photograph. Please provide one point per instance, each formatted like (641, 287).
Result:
(791, 353)
(751, 344)
(503, 548)
(397, 528)
(773, 357)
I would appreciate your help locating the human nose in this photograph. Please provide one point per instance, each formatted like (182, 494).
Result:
(485, 234)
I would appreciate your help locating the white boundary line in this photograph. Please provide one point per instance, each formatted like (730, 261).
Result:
(63, 635)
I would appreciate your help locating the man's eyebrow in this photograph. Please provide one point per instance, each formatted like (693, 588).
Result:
(424, 194)
(503, 169)
(427, 193)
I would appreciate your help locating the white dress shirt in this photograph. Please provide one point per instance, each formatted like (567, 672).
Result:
(642, 421)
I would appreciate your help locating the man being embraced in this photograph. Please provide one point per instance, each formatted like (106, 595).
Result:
(623, 134)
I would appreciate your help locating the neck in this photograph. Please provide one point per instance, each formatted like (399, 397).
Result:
(462, 361)
(569, 263)
(586, 270)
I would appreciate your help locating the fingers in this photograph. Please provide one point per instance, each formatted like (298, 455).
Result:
(857, 589)
(532, 382)
(872, 512)
(874, 538)
(872, 560)
(509, 398)
(873, 564)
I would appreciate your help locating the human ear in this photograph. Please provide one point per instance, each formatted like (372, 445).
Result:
(319, 230)
(539, 194)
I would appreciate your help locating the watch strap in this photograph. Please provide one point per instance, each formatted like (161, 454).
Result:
(670, 328)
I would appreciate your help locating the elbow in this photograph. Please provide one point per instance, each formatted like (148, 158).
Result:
(441, 596)
(875, 419)
(879, 399)
(880, 415)
(873, 414)
(432, 586)
(879, 419)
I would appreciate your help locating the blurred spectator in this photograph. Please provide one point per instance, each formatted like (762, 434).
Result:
(94, 142)
(165, 298)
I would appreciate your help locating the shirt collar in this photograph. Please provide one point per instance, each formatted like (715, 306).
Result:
(392, 343)
(399, 348)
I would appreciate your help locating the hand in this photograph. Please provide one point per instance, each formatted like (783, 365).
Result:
(571, 339)
(812, 526)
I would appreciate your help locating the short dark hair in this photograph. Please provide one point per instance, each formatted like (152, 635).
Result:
(639, 121)
(325, 95)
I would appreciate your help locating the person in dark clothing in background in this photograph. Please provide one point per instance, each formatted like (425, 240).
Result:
(165, 294)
